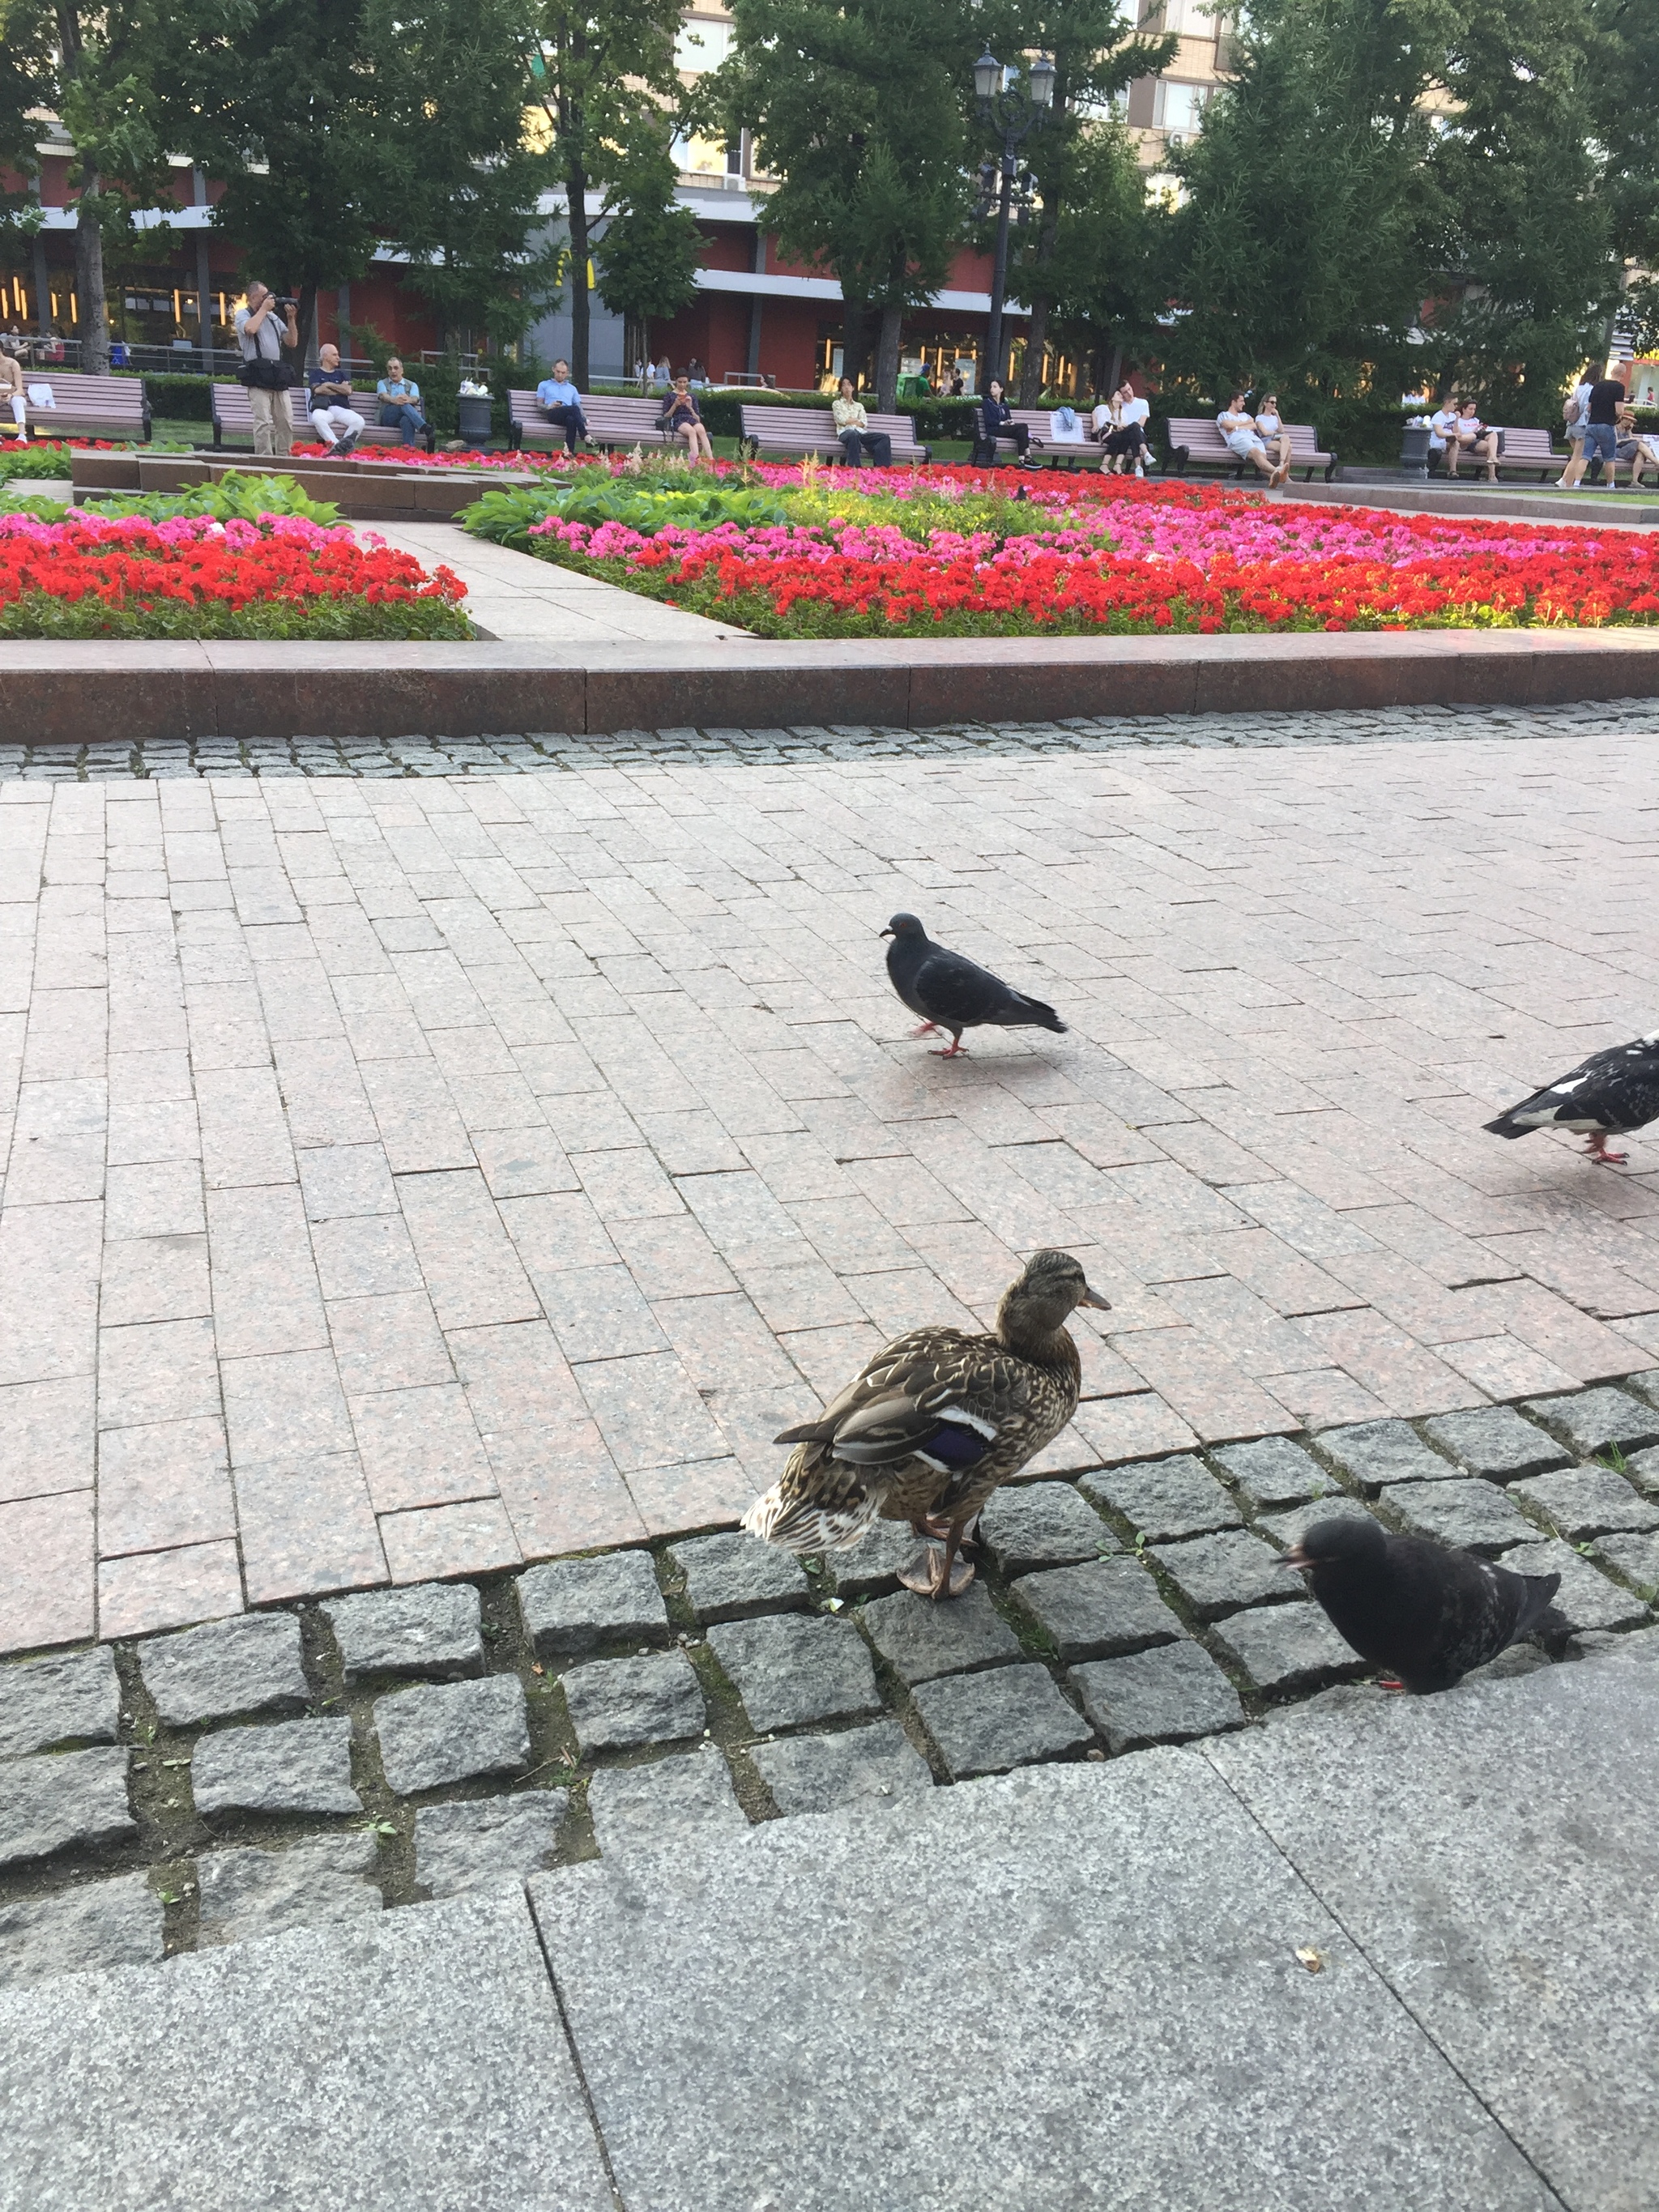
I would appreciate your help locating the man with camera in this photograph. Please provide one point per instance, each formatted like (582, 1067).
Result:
(264, 371)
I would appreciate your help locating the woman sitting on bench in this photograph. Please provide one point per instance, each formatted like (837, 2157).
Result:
(684, 418)
(852, 428)
(996, 420)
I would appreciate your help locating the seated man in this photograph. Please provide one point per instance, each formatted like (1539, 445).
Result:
(1442, 436)
(1639, 449)
(336, 421)
(400, 404)
(562, 404)
(1238, 426)
(12, 395)
(1125, 434)
(852, 428)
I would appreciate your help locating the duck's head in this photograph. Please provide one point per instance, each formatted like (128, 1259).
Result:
(1053, 1285)
(905, 925)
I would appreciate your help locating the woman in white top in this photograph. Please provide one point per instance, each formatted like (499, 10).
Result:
(1474, 437)
(1273, 434)
(1575, 414)
(1238, 426)
(1126, 441)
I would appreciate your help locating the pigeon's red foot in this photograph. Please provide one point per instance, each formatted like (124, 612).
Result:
(1391, 1682)
(955, 1050)
(927, 1029)
(1595, 1148)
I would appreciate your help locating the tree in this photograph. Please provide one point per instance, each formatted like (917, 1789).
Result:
(461, 184)
(1521, 234)
(279, 98)
(1298, 254)
(604, 79)
(1078, 154)
(856, 107)
(94, 68)
(1102, 282)
(648, 250)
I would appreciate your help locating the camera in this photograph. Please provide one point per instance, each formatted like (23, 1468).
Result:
(283, 299)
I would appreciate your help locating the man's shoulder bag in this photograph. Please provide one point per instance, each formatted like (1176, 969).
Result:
(262, 375)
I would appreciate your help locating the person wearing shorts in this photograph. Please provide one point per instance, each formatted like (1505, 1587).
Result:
(1238, 426)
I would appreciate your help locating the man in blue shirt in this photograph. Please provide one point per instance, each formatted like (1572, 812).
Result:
(562, 404)
(400, 402)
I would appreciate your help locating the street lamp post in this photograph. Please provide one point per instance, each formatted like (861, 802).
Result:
(1015, 117)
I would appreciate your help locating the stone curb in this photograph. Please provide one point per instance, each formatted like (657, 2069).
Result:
(80, 694)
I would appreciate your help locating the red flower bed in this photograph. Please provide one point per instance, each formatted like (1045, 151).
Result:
(191, 577)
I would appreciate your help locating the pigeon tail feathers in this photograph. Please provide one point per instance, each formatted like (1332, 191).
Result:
(1503, 1127)
(1541, 1595)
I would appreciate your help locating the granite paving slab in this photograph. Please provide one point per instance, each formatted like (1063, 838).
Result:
(114, 1922)
(919, 1638)
(1100, 1920)
(1275, 1472)
(1097, 1610)
(1636, 1557)
(731, 1577)
(66, 1800)
(1586, 1599)
(871, 1567)
(430, 1628)
(228, 1668)
(290, 1767)
(617, 1704)
(460, 1847)
(1372, 1453)
(70, 1698)
(1473, 1515)
(669, 1804)
(416, 2060)
(1288, 1647)
(1165, 1498)
(815, 1773)
(1289, 1529)
(1042, 1524)
(575, 1606)
(987, 1723)
(1587, 1501)
(1591, 1420)
(1163, 1696)
(792, 1670)
(1643, 1468)
(244, 1893)
(1216, 1575)
(1498, 1442)
(452, 1732)
(1487, 1848)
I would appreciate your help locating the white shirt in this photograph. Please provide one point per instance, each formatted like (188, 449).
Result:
(1269, 425)
(1133, 411)
(1442, 426)
(1102, 417)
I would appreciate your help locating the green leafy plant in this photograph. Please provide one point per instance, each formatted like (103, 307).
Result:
(645, 502)
(235, 498)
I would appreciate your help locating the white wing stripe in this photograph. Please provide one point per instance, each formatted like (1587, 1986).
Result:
(987, 1428)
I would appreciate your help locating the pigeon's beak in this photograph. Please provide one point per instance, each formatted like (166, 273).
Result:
(1296, 1556)
(887, 933)
(1093, 1298)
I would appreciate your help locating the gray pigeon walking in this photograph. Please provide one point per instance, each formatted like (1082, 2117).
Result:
(1604, 1096)
(951, 992)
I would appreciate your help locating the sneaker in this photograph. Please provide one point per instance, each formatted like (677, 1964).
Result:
(346, 447)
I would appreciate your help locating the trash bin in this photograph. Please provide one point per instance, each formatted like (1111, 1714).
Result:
(1413, 450)
(472, 421)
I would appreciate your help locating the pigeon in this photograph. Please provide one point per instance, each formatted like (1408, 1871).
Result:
(1610, 1092)
(1425, 1613)
(951, 992)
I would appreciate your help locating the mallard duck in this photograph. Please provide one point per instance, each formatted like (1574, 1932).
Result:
(931, 1426)
(951, 991)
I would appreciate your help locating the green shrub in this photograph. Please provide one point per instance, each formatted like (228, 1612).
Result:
(180, 398)
(645, 500)
(237, 497)
(39, 615)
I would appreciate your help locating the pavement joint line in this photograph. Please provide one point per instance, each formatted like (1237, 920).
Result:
(174, 1843)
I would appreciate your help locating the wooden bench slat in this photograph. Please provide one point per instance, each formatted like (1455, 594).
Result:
(813, 431)
(233, 409)
(98, 406)
(1200, 441)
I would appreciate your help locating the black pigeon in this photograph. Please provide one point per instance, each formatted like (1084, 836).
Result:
(1607, 1094)
(1425, 1613)
(951, 992)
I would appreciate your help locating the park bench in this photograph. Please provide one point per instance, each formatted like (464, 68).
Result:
(813, 431)
(1193, 441)
(1069, 447)
(1528, 450)
(610, 422)
(111, 407)
(232, 410)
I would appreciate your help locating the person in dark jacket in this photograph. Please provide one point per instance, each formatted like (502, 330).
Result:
(996, 420)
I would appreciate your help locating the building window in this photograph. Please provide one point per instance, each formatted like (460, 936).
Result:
(1187, 19)
(704, 42)
(1178, 105)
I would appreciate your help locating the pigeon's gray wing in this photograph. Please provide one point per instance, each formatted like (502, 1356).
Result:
(1617, 1090)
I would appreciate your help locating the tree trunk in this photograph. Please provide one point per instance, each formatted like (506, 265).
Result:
(852, 339)
(1114, 374)
(89, 279)
(575, 185)
(307, 319)
(1037, 331)
(887, 358)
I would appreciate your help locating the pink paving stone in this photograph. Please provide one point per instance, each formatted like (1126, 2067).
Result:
(47, 1593)
(1504, 1367)
(1324, 1397)
(47, 1438)
(708, 1494)
(420, 1448)
(1383, 1359)
(306, 1525)
(153, 1590)
(1204, 1388)
(164, 1486)
(438, 1540)
(1117, 1429)
(1557, 1332)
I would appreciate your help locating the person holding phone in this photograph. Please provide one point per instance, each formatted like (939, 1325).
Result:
(684, 418)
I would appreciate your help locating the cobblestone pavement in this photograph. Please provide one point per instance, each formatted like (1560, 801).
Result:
(523, 754)
(306, 1764)
(419, 1184)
